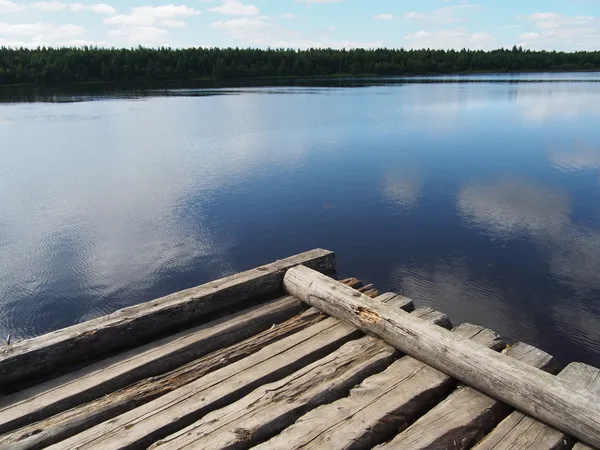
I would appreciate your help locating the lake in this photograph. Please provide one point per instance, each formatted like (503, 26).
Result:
(476, 195)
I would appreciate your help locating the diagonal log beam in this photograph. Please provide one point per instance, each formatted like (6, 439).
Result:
(537, 393)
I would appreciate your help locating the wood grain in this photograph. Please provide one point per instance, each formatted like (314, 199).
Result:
(568, 408)
(169, 413)
(466, 415)
(60, 394)
(270, 408)
(379, 406)
(519, 431)
(56, 352)
(63, 425)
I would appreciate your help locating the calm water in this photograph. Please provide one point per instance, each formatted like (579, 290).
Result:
(478, 198)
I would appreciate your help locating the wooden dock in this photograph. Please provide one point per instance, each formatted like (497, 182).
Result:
(285, 357)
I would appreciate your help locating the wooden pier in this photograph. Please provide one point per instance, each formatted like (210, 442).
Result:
(286, 357)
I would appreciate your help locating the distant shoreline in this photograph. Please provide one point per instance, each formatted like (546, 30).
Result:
(287, 80)
(91, 65)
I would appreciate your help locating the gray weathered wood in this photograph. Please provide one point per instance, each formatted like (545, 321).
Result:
(63, 425)
(189, 403)
(75, 388)
(272, 407)
(466, 415)
(549, 399)
(139, 324)
(519, 431)
(379, 406)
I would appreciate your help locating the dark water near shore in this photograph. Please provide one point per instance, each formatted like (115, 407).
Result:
(479, 196)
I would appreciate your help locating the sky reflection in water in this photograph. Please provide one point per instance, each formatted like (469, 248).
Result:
(479, 199)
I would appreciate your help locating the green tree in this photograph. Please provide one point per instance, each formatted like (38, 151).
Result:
(62, 65)
(104, 71)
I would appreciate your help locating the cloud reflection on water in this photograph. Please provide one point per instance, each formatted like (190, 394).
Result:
(119, 208)
(401, 188)
(508, 210)
(514, 208)
(463, 296)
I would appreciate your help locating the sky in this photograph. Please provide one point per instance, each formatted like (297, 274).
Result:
(485, 24)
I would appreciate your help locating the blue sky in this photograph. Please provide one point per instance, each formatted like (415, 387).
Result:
(484, 24)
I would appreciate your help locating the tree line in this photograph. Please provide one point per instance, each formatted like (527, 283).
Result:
(47, 65)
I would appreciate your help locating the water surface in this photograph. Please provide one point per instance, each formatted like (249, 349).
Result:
(478, 197)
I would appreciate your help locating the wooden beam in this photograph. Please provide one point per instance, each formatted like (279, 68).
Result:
(127, 328)
(189, 403)
(545, 397)
(378, 407)
(58, 427)
(65, 392)
(274, 406)
(519, 431)
(466, 415)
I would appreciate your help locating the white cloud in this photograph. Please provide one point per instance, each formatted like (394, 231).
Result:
(55, 6)
(234, 8)
(257, 31)
(48, 6)
(170, 23)
(142, 25)
(451, 39)
(33, 34)
(557, 31)
(384, 17)
(449, 14)
(264, 32)
(140, 34)
(150, 15)
(287, 16)
(7, 6)
(98, 8)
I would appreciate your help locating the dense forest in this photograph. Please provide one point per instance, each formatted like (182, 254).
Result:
(65, 65)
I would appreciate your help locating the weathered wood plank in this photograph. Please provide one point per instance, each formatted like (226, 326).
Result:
(270, 408)
(189, 403)
(139, 324)
(68, 423)
(63, 425)
(75, 388)
(466, 415)
(571, 409)
(377, 408)
(519, 431)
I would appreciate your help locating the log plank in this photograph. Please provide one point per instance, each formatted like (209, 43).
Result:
(169, 413)
(377, 408)
(63, 425)
(571, 409)
(519, 431)
(270, 408)
(466, 415)
(54, 353)
(75, 388)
